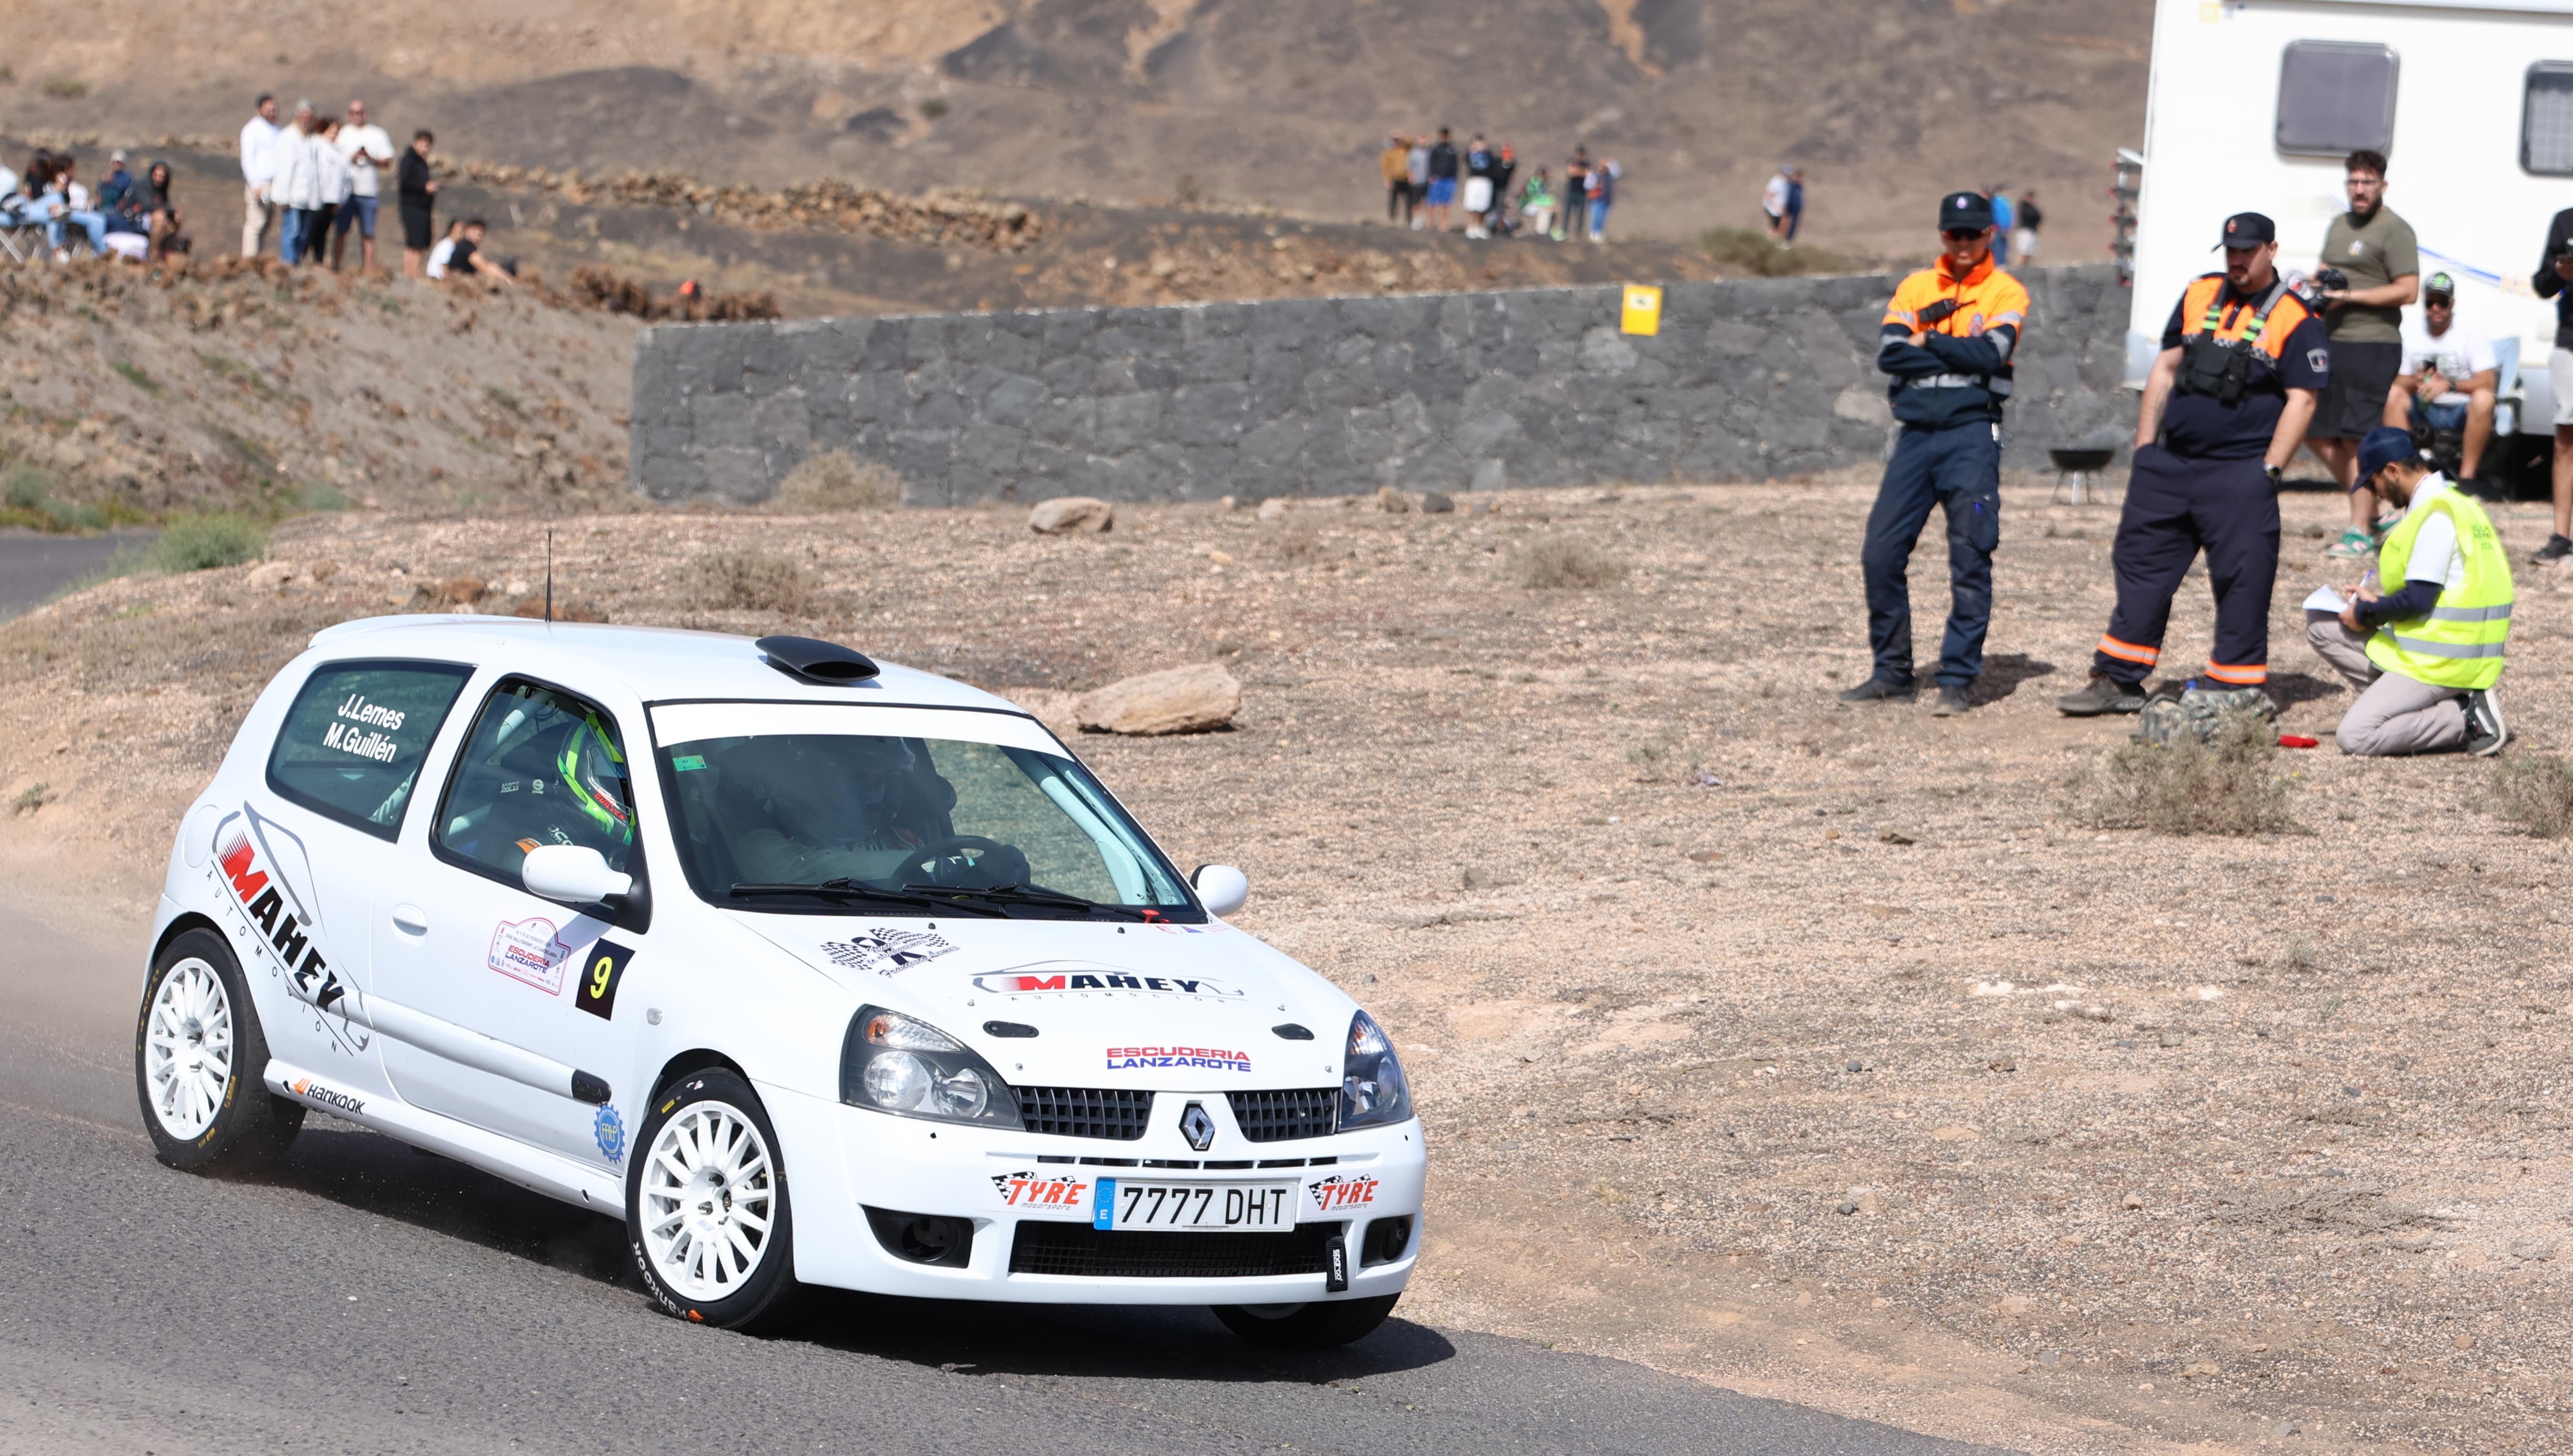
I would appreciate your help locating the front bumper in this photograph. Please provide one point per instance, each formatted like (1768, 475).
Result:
(841, 1160)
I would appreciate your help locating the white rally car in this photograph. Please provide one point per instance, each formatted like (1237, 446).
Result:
(813, 971)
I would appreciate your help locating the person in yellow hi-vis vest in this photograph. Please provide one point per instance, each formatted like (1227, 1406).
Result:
(2426, 656)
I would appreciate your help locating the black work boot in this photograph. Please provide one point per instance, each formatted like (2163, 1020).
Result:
(2104, 695)
(1951, 700)
(1882, 689)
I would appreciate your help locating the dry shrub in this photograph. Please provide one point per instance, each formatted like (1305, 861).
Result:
(2536, 794)
(831, 481)
(751, 581)
(1300, 544)
(600, 288)
(1549, 563)
(1758, 254)
(2230, 786)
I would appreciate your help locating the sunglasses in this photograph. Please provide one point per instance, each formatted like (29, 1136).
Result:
(1960, 235)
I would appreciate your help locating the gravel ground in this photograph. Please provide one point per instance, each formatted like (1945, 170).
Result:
(1820, 1050)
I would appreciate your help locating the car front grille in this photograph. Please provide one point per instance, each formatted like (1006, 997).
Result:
(1042, 1247)
(1115, 1113)
(1277, 1116)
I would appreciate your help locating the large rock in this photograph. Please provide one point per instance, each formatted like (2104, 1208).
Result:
(1066, 514)
(1189, 699)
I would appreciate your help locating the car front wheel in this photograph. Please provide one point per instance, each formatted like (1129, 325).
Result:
(1322, 1326)
(199, 1056)
(706, 1205)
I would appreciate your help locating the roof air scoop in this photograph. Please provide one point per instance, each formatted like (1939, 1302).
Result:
(809, 659)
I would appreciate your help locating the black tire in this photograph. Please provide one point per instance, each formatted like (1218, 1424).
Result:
(765, 1294)
(252, 1128)
(1322, 1326)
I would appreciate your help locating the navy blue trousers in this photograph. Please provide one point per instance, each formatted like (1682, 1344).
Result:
(1957, 469)
(2176, 507)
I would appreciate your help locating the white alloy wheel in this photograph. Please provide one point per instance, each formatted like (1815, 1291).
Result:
(188, 1049)
(709, 1196)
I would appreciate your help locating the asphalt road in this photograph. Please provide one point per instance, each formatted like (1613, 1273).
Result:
(33, 566)
(374, 1299)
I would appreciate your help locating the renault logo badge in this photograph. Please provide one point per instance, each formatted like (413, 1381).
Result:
(1198, 1127)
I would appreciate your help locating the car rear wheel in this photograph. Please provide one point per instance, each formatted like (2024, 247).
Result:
(706, 1205)
(199, 1054)
(1322, 1326)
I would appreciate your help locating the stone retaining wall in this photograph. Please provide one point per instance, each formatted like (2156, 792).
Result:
(1747, 379)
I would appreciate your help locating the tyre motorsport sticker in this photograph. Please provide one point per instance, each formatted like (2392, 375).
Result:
(1023, 1189)
(280, 917)
(1066, 982)
(610, 1130)
(887, 951)
(530, 951)
(1343, 1190)
(331, 1098)
(1213, 1059)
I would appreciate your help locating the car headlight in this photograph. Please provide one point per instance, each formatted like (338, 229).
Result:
(893, 1064)
(1372, 1091)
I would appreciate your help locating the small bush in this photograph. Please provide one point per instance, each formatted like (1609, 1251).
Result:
(29, 799)
(2230, 786)
(751, 581)
(25, 487)
(831, 481)
(1550, 563)
(1300, 544)
(934, 108)
(322, 495)
(135, 375)
(27, 493)
(2536, 794)
(203, 542)
(1759, 255)
(66, 87)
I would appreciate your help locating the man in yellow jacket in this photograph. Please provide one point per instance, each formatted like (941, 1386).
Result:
(2425, 656)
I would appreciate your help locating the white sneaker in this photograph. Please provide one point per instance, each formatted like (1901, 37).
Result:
(2485, 731)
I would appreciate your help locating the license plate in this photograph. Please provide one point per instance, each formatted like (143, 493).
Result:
(1205, 1208)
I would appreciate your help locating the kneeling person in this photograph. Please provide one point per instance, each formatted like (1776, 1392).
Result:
(2426, 656)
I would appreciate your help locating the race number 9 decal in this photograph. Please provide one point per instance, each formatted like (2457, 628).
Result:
(598, 976)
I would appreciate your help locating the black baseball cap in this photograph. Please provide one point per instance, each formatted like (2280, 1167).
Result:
(2248, 230)
(2441, 286)
(1964, 211)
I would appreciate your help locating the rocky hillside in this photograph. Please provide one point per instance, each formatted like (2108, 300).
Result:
(1281, 104)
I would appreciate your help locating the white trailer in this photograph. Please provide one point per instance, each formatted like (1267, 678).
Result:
(2254, 105)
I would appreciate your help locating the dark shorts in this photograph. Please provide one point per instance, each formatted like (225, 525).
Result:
(2354, 402)
(415, 226)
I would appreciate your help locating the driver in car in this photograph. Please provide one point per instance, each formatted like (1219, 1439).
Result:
(857, 809)
(587, 800)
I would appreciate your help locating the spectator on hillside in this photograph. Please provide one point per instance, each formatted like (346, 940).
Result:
(1394, 164)
(415, 189)
(470, 263)
(1478, 186)
(295, 191)
(1603, 196)
(1576, 196)
(67, 205)
(160, 210)
(1773, 201)
(1504, 168)
(1795, 201)
(1538, 204)
(446, 248)
(258, 173)
(332, 164)
(2024, 242)
(368, 151)
(1415, 166)
(19, 205)
(1442, 181)
(117, 186)
(2005, 219)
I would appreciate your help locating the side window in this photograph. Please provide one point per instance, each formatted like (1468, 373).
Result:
(2335, 97)
(2546, 122)
(541, 767)
(355, 737)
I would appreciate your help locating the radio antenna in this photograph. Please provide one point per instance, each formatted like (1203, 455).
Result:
(550, 575)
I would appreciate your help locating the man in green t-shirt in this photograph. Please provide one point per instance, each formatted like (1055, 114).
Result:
(2375, 251)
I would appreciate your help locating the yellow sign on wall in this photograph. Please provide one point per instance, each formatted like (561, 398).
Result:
(1643, 312)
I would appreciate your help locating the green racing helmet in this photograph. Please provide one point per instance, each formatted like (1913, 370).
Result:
(594, 772)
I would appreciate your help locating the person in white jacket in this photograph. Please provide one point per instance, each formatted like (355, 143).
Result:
(259, 138)
(298, 188)
(333, 166)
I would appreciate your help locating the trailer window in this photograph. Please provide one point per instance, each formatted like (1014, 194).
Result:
(2546, 124)
(2335, 98)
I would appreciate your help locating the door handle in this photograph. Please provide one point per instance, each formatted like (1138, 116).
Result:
(410, 920)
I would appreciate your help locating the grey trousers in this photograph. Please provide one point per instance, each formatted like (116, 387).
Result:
(2393, 714)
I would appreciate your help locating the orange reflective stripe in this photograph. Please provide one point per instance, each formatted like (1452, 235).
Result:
(2129, 651)
(2253, 676)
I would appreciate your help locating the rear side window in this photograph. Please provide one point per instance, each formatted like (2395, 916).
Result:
(2546, 123)
(355, 737)
(2335, 98)
(541, 767)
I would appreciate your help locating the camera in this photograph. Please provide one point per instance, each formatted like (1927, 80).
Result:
(2332, 280)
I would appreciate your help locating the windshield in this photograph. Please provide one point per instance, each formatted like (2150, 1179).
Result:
(819, 820)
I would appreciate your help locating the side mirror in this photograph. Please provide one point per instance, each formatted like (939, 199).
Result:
(1222, 886)
(573, 873)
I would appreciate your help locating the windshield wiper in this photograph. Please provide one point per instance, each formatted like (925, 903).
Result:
(997, 894)
(848, 889)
